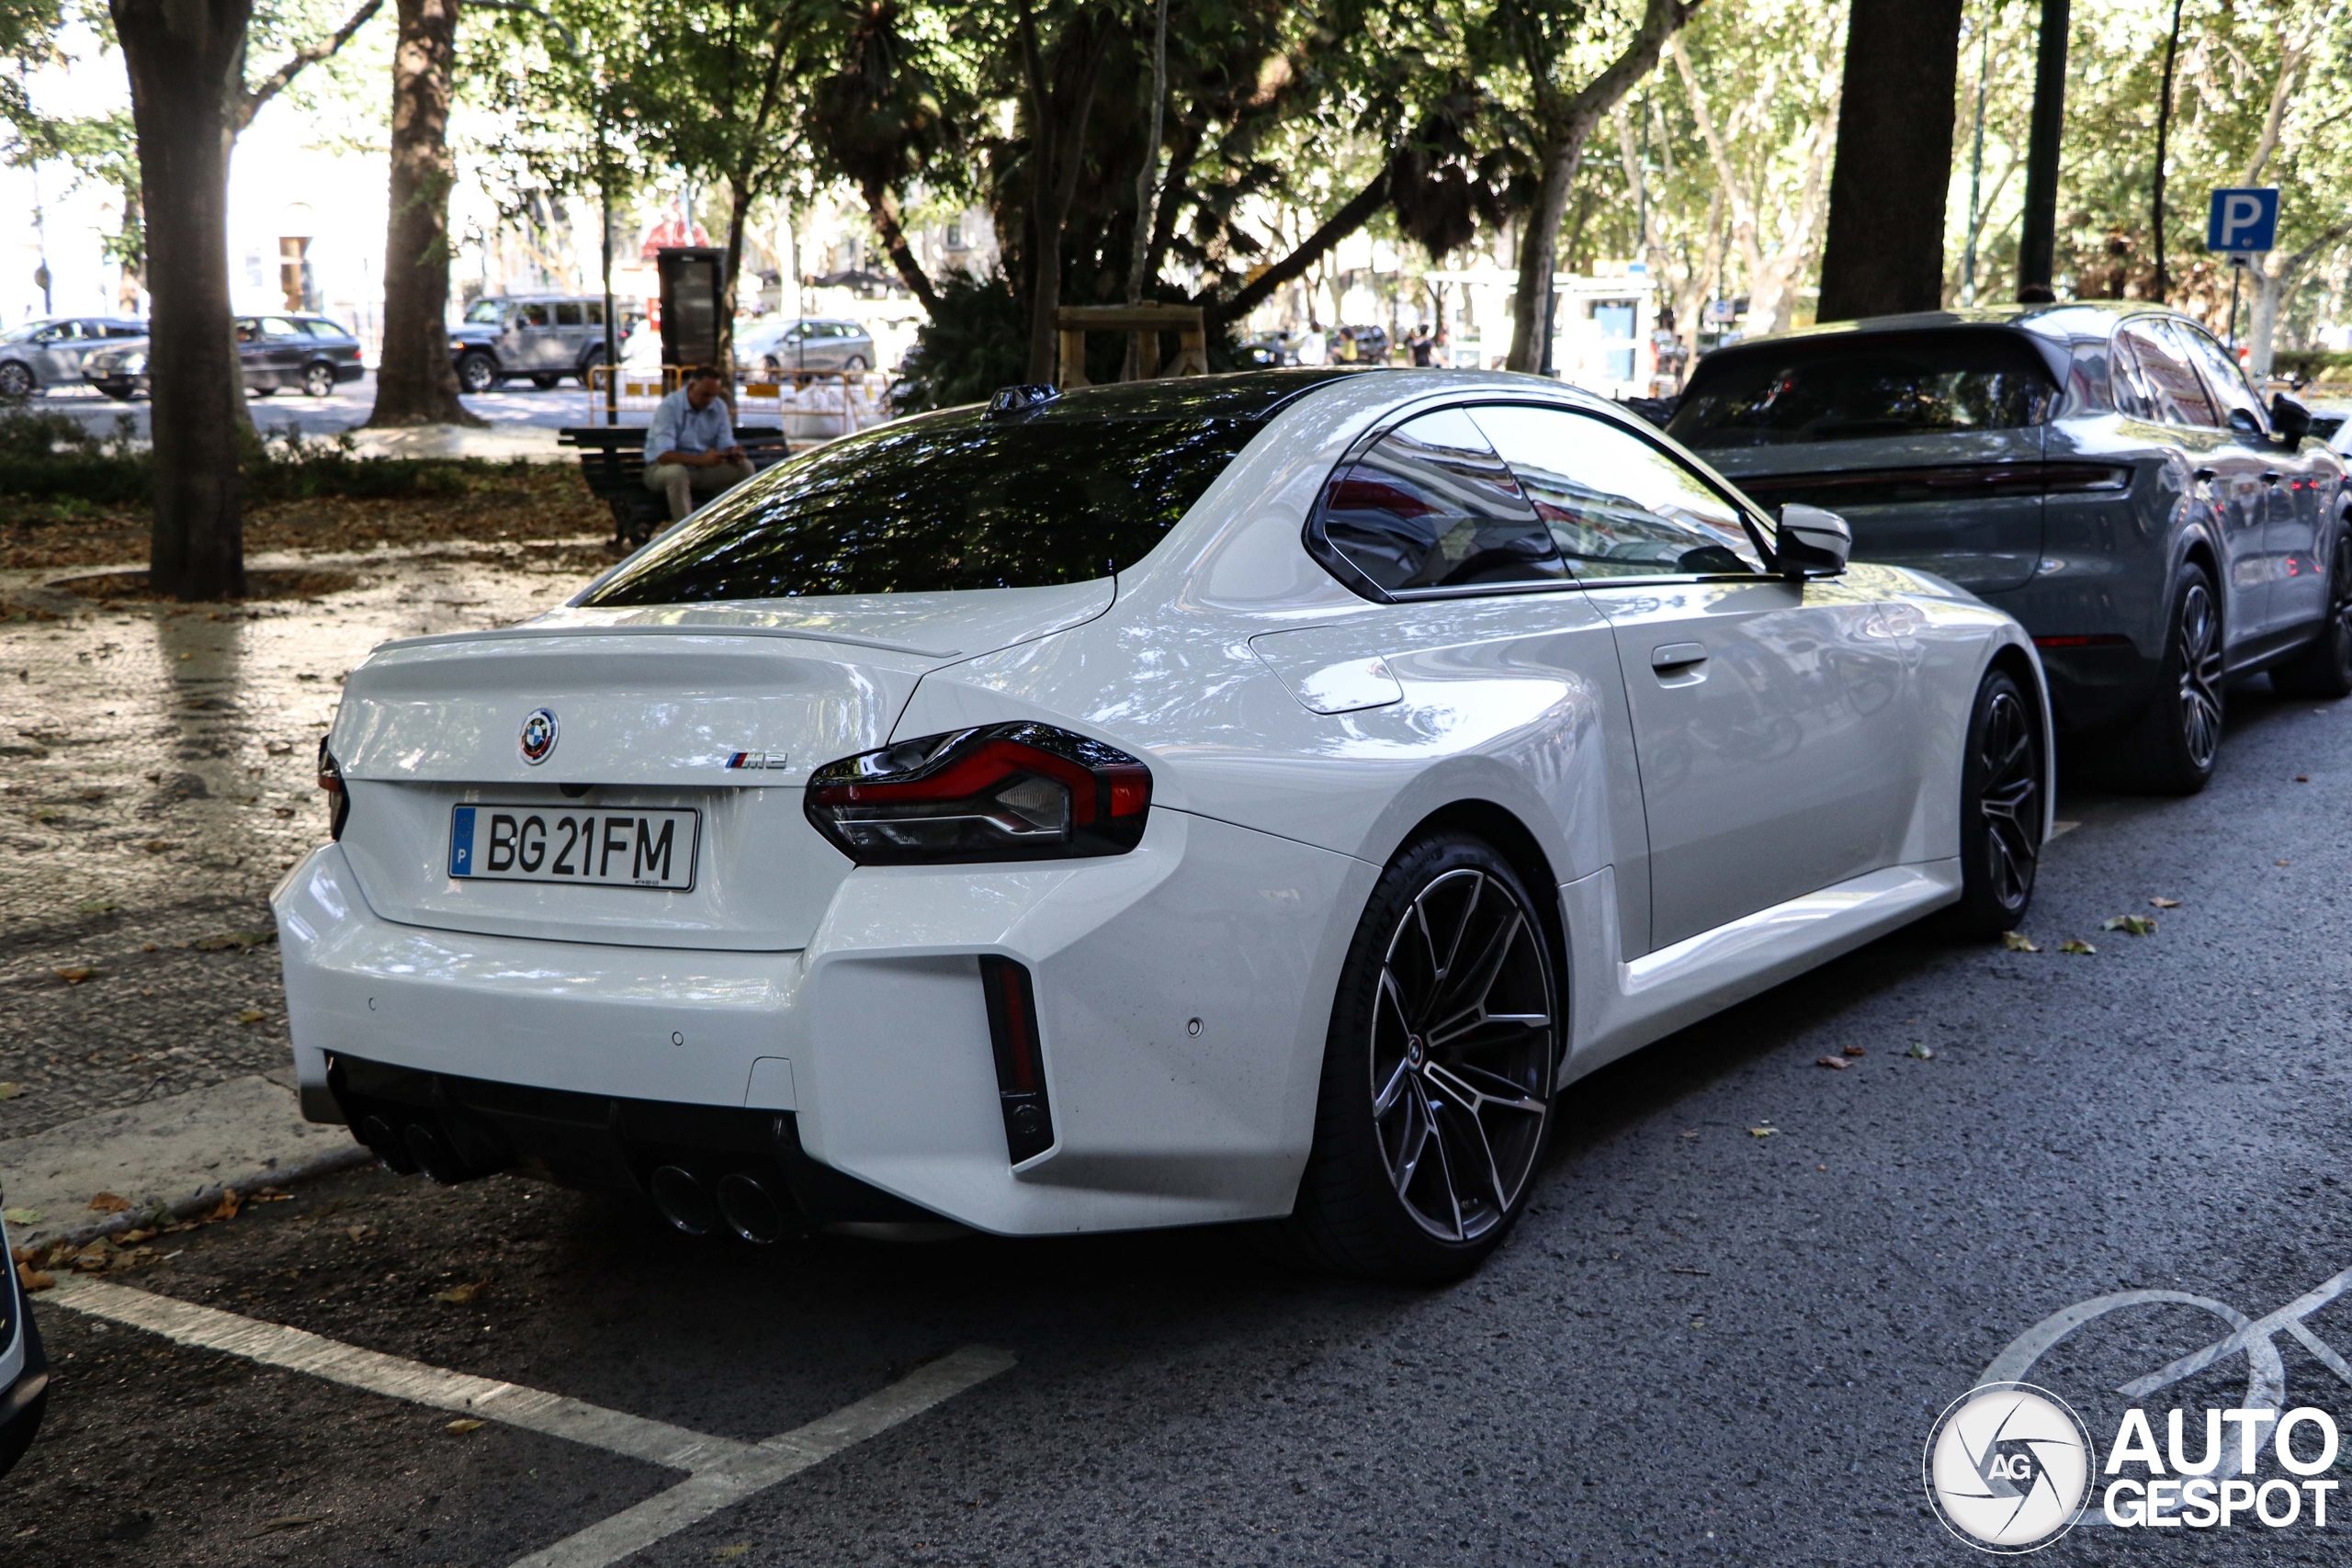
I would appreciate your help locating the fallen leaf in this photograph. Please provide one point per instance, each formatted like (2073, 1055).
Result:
(2302, 778)
(2137, 925)
(10, 1090)
(1924, 1053)
(463, 1424)
(2165, 903)
(1838, 1062)
(282, 810)
(1762, 1131)
(1856, 1051)
(286, 1522)
(359, 1233)
(108, 1203)
(279, 748)
(32, 1278)
(1692, 1134)
(729, 1553)
(229, 1204)
(226, 940)
(2070, 946)
(75, 975)
(250, 1015)
(458, 1295)
(2017, 942)
(2277, 863)
(130, 1238)
(21, 1216)
(100, 907)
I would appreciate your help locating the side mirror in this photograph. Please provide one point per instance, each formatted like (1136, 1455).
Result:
(1810, 542)
(2291, 419)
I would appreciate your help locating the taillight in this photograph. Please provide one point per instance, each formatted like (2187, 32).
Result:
(1000, 792)
(338, 799)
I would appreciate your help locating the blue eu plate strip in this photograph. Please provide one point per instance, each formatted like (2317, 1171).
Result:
(461, 842)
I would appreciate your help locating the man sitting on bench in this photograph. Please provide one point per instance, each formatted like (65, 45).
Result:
(690, 451)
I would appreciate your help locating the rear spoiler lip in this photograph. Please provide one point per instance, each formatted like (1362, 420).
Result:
(506, 634)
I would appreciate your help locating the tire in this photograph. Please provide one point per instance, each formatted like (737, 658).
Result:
(477, 373)
(588, 363)
(319, 380)
(263, 391)
(2324, 669)
(2179, 739)
(15, 381)
(854, 362)
(1403, 1183)
(2002, 807)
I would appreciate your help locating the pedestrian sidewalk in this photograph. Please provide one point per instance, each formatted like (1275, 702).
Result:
(166, 1153)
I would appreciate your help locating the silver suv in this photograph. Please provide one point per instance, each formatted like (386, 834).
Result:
(543, 337)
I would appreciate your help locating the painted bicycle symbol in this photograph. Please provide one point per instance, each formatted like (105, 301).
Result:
(2254, 1337)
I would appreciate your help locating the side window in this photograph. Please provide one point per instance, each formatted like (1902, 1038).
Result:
(2171, 388)
(530, 315)
(1616, 505)
(591, 311)
(278, 326)
(248, 330)
(1431, 505)
(317, 328)
(567, 314)
(2241, 409)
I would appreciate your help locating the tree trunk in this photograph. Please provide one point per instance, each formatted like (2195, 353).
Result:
(415, 383)
(1886, 250)
(882, 207)
(739, 211)
(1061, 98)
(186, 59)
(1566, 124)
(1311, 250)
(1538, 253)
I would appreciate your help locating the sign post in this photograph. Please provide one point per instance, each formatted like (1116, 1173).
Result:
(2243, 221)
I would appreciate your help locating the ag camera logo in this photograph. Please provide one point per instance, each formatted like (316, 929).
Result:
(2008, 1467)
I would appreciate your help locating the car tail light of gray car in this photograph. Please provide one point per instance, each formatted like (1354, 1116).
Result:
(997, 793)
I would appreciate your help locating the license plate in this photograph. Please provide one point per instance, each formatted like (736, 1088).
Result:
(606, 848)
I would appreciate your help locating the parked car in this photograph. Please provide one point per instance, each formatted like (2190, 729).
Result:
(779, 344)
(543, 337)
(1272, 350)
(23, 1366)
(1246, 797)
(2101, 471)
(1372, 345)
(2329, 423)
(38, 354)
(306, 352)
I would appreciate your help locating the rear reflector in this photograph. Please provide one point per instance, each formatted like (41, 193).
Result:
(1020, 1068)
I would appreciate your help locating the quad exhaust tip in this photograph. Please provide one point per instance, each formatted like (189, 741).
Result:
(750, 1210)
(684, 1200)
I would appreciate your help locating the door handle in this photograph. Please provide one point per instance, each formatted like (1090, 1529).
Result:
(1677, 658)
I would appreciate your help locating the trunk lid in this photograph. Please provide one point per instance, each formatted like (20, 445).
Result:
(720, 710)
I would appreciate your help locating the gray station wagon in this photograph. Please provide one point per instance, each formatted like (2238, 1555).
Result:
(39, 355)
(2103, 473)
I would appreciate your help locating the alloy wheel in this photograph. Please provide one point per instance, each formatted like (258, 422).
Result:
(318, 381)
(2010, 797)
(16, 381)
(1464, 1038)
(2199, 632)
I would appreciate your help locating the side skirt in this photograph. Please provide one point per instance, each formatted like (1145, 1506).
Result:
(1618, 1007)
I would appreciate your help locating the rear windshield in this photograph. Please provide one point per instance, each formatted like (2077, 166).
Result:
(1849, 389)
(945, 502)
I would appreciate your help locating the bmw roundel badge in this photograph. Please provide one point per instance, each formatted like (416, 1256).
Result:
(538, 736)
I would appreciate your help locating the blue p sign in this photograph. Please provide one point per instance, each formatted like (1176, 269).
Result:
(2246, 218)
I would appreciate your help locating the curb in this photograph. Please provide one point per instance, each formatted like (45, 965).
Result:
(207, 1199)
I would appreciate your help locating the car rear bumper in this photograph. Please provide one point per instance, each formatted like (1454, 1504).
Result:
(2098, 683)
(24, 1367)
(351, 372)
(1181, 996)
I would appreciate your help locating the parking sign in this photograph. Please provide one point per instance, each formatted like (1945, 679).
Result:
(2244, 219)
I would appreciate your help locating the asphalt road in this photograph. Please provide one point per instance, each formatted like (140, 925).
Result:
(1702, 1344)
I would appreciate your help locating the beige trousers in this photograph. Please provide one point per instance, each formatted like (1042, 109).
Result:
(682, 482)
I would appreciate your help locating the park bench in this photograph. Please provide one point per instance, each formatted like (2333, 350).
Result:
(612, 459)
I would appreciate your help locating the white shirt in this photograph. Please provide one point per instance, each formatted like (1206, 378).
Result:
(679, 426)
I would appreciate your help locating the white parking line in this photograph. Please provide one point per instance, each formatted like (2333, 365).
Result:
(722, 1470)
